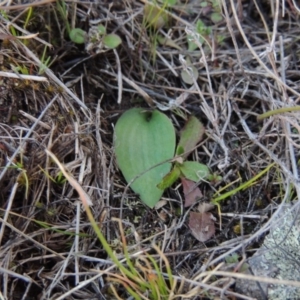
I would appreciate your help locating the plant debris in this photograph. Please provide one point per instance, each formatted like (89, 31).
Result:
(202, 225)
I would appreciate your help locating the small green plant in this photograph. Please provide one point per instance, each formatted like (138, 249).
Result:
(139, 276)
(203, 31)
(190, 136)
(213, 8)
(28, 17)
(63, 11)
(146, 280)
(233, 261)
(145, 147)
(59, 179)
(189, 73)
(156, 17)
(45, 62)
(23, 179)
(96, 39)
(77, 36)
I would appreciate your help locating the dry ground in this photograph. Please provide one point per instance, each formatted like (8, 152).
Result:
(247, 66)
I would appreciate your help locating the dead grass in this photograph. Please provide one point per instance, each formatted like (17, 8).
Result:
(48, 249)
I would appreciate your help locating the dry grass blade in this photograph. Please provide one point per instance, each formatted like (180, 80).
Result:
(82, 194)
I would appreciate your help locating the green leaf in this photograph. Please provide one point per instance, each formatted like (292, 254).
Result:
(200, 26)
(112, 41)
(214, 178)
(169, 179)
(194, 171)
(143, 139)
(233, 258)
(204, 4)
(220, 39)
(202, 29)
(102, 29)
(179, 150)
(216, 17)
(190, 136)
(189, 77)
(77, 35)
(189, 74)
(192, 46)
(171, 2)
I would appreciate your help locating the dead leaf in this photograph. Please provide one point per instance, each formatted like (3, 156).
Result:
(191, 192)
(205, 207)
(202, 225)
(4, 36)
(160, 204)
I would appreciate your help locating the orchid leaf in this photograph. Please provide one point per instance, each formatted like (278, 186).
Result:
(190, 136)
(143, 141)
(194, 171)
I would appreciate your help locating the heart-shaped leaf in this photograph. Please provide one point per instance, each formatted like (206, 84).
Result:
(190, 136)
(143, 139)
(194, 171)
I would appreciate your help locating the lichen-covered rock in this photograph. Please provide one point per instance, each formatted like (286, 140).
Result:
(278, 258)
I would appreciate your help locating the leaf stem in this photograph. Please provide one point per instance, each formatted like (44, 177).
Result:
(277, 111)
